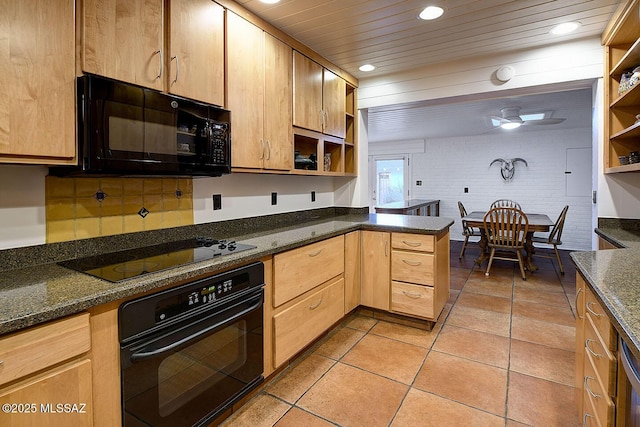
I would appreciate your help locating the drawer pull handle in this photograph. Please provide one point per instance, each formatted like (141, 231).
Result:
(413, 263)
(586, 386)
(412, 294)
(1, 362)
(584, 419)
(586, 345)
(589, 304)
(314, 306)
(316, 253)
(577, 306)
(414, 244)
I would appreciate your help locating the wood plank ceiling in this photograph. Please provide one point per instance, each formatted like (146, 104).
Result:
(387, 33)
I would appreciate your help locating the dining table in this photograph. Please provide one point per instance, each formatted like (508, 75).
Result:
(537, 223)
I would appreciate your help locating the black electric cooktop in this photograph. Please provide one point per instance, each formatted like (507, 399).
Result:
(130, 263)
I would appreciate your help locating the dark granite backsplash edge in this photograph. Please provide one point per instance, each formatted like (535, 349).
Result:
(622, 223)
(55, 252)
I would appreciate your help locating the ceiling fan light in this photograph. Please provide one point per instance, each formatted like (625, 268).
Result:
(510, 125)
(565, 28)
(431, 12)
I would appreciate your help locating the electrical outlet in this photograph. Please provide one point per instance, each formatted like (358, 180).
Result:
(313, 196)
(217, 202)
(466, 189)
(274, 198)
(418, 182)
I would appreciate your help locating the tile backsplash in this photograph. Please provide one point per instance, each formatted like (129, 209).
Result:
(79, 208)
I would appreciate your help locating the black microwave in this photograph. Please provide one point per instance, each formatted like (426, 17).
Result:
(126, 129)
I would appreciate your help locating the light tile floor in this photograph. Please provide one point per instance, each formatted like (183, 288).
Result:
(501, 354)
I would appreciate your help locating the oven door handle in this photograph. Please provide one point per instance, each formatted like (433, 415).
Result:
(631, 373)
(150, 351)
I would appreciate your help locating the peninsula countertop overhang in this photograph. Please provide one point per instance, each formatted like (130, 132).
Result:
(39, 293)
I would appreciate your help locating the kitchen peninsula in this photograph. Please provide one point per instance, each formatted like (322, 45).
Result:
(411, 207)
(43, 299)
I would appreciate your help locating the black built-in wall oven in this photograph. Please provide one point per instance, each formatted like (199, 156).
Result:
(190, 352)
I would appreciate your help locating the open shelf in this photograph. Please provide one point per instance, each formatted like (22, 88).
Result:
(622, 54)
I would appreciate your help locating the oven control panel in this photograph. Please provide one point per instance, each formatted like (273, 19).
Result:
(147, 314)
(189, 299)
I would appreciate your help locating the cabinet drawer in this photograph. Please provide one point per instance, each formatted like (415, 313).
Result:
(299, 270)
(595, 395)
(301, 323)
(412, 299)
(26, 352)
(600, 320)
(413, 242)
(68, 384)
(412, 267)
(604, 361)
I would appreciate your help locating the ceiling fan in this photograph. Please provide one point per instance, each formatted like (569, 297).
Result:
(511, 119)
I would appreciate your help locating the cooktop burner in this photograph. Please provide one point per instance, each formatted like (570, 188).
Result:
(130, 263)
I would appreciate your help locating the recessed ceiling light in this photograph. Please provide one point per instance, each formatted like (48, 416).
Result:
(431, 12)
(270, 1)
(565, 28)
(367, 67)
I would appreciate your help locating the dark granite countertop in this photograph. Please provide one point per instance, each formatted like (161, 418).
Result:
(43, 292)
(614, 277)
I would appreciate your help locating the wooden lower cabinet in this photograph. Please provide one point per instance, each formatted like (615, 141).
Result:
(302, 269)
(46, 375)
(351, 271)
(304, 321)
(412, 299)
(596, 360)
(420, 278)
(60, 397)
(375, 270)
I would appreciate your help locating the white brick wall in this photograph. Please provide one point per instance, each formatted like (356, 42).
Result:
(448, 165)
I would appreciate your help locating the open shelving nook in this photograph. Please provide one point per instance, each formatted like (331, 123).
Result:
(308, 144)
(622, 54)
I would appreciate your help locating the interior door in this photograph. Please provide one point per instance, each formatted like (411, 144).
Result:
(388, 180)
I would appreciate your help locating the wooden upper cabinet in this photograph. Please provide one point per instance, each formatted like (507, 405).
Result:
(258, 96)
(245, 91)
(123, 40)
(37, 81)
(318, 97)
(333, 104)
(278, 105)
(307, 93)
(196, 50)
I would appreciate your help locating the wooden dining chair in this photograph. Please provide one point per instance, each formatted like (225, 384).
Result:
(466, 230)
(506, 231)
(554, 238)
(505, 203)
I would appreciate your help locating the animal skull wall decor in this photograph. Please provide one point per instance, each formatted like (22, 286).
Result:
(508, 167)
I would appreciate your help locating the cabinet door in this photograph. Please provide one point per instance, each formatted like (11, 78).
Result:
(245, 91)
(37, 81)
(351, 271)
(580, 349)
(307, 93)
(333, 104)
(123, 40)
(70, 384)
(376, 256)
(278, 108)
(196, 50)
